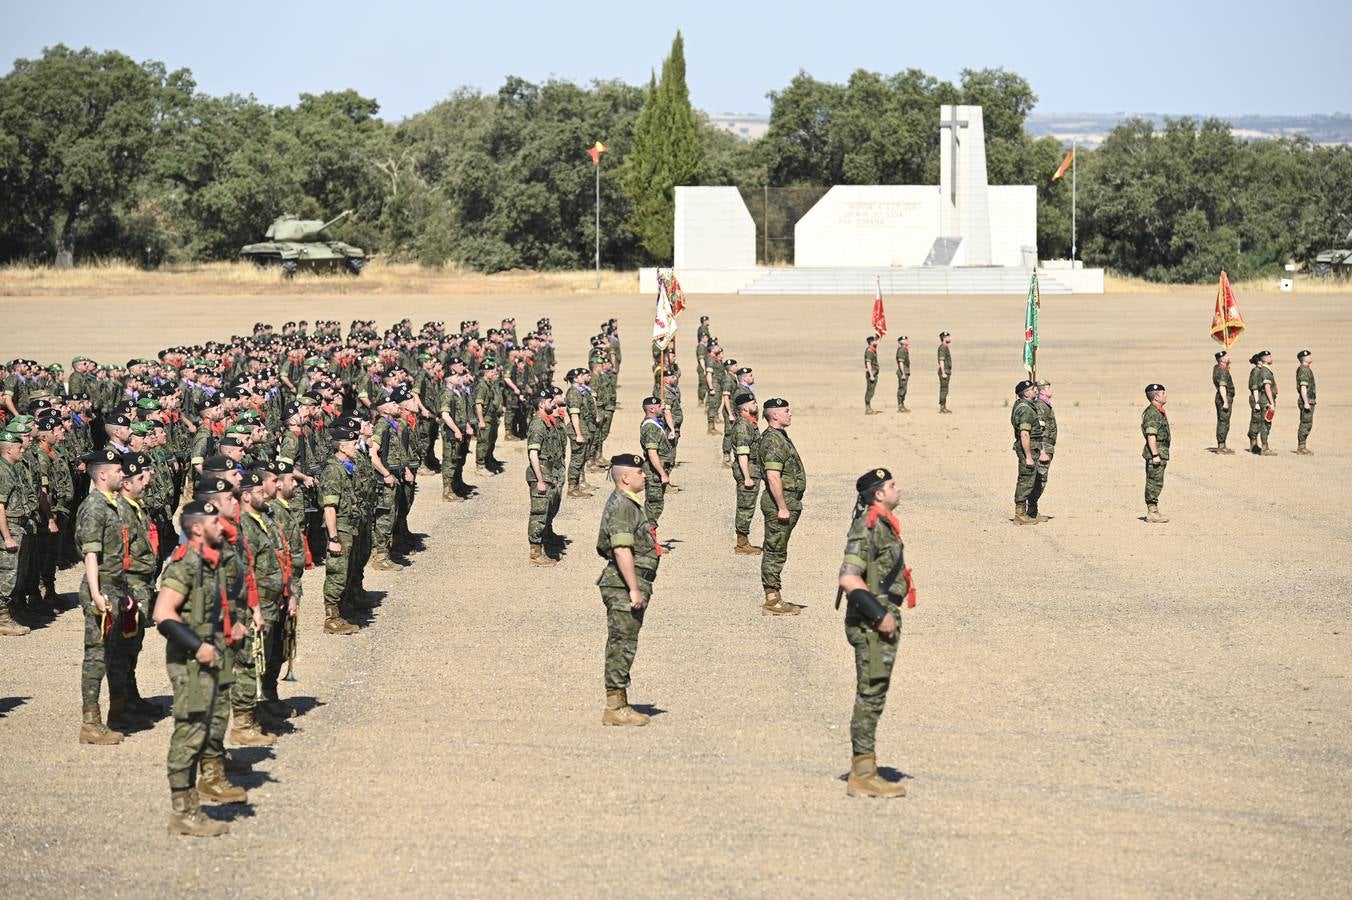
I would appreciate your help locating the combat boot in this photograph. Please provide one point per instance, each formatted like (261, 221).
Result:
(213, 787)
(9, 627)
(864, 780)
(381, 562)
(1021, 516)
(869, 410)
(1153, 514)
(619, 712)
(575, 490)
(943, 408)
(712, 429)
(1037, 516)
(775, 606)
(538, 557)
(247, 732)
(745, 548)
(1303, 450)
(1224, 450)
(901, 408)
(336, 624)
(264, 717)
(123, 717)
(93, 731)
(50, 596)
(187, 817)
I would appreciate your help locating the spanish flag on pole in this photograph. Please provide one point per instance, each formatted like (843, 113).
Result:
(1065, 164)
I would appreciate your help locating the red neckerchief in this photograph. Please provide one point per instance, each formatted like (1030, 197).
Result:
(48, 451)
(218, 427)
(1155, 403)
(547, 419)
(657, 545)
(878, 511)
(411, 419)
(298, 432)
(750, 418)
(212, 557)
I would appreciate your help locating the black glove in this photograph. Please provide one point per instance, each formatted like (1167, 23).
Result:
(867, 606)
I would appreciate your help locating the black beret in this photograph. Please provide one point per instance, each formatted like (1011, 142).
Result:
(744, 370)
(872, 480)
(105, 457)
(627, 461)
(217, 463)
(207, 485)
(400, 394)
(1253, 360)
(1152, 388)
(543, 397)
(902, 338)
(1220, 353)
(134, 463)
(488, 365)
(120, 420)
(1262, 353)
(253, 478)
(281, 467)
(944, 334)
(651, 401)
(555, 391)
(729, 362)
(342, 434)
(1022, 386)
(775, 403)
(231, 440)
(200, 508)
(743, 398)
(1304, 353)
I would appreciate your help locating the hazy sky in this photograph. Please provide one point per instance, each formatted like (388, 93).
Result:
(1207, 56)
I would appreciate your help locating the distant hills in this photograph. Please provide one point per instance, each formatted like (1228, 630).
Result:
(1090, 128)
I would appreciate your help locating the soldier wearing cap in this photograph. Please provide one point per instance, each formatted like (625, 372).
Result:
(487, 413)
(1027, 448)
(1047, 420)
(945, 369)
(701, 360)
(392, 460)
(103, 594)
(18, 507)
(629, 547)
(713, 377)
(456, 432)
(746, 473)
(658, 456)
(603, 384)
(903, 371)
(288, 518)
(781, 503)
(672, 413)
(266, 581)
(870, 373)
(736, 380)
(543, 464)
(576, 410)
(1305, 405)
(57, 482)
(194, 614)
(1224, 384)
(139, 551)
(338, 499)
(1155, 429)
(874, 578)
(1262, 402)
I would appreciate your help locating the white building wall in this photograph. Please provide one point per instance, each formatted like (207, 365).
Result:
(868, 225)
(1013, 224)
(714, 229)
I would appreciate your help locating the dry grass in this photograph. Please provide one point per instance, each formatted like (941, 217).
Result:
(115, 278)
(1115, 283)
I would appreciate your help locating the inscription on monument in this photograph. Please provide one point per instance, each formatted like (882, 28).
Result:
(877, 213)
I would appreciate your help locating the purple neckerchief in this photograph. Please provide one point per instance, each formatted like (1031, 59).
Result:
(584, 388)
(1044, 399)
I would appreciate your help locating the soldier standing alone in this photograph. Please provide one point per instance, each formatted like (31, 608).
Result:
(870, 373)
(1027, 448)
(1155, 429)
(945, 370)
(903, 371)
(1047, 419)
(1305, 405)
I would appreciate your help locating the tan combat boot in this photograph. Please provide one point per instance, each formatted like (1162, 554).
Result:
(575, 490)
(93, 730)
(124, 718)
(864, 780)
(619, 712)
(1223, 450)
(1037, 516)
(538, 557)
(212, 785)
(9, 627)
(869, 410)
(712, 429)
(381, 562)
(775, 606)
(1267, 451)
(745, 548)
(247, 732)
(1153, 513)
(902, 408)
(336, 624)
(1303, 450)
(1021, 516)
(187, 817)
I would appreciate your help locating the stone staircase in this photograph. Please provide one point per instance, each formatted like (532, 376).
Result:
(917, 280)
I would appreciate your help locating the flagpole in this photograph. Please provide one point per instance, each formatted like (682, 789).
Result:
(598, 220)
(1074, 160)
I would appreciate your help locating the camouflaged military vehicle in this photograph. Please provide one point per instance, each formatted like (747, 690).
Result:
(295, 244)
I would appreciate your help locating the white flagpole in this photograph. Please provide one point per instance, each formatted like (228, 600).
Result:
(598, 221)
(1074, 160)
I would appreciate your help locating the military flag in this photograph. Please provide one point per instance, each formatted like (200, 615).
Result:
(595, 151)
(674, 292)
(1030, 328)
(664, 320)
(1226, 323)
(879, 315)
(1065, 164)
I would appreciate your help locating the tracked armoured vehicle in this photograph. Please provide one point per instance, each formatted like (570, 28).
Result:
(294, 244)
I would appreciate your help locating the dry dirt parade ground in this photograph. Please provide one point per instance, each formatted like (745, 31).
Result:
(1092, 706)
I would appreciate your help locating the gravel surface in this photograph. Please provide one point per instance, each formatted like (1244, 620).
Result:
(1092, 706)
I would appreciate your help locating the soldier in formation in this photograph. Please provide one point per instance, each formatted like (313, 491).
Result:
(1306, 400)
(903, 371)
(870, 373)
(1224, 385)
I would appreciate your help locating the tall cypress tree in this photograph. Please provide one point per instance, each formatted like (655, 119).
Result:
(666, 152)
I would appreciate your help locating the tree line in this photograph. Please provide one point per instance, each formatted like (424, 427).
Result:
(101, 156)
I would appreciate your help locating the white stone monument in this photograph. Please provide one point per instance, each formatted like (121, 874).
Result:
(714, 230)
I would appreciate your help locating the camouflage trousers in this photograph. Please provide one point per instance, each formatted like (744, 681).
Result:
(1154, 480)
(453, 454)
(775, 548)
(943, 389)
(1043, 470)
(622, 628)
(14, 566)
(1259, 426)
(336, 568)
(701, 388)
(728, 426)
(874, 656)
(486, 441)
(143, 592)
(713, 406)
(1030, 479)
(541, 512)
(598, 440)
(902, 382)
(248, 677)
(746, 507)
(388, 504)
(654, 498)
(1306, 423)
(191, 738)
(102, 658)
(49, 547)
(870, 385)
(1223, 421)
(577, 458)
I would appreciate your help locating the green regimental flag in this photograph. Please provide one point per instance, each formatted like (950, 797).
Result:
(1030, 329)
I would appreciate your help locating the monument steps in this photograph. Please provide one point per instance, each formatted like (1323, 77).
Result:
(910, 280)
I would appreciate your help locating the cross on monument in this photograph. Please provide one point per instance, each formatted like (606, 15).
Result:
(952, 124)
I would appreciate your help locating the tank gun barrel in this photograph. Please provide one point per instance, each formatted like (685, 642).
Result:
(342, 215)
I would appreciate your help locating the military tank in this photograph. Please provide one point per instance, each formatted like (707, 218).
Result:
(294, 244)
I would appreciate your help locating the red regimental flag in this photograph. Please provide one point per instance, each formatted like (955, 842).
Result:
(1226, 323)
(879, 314)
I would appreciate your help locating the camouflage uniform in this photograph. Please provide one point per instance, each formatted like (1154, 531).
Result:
(746, 439)
(542, 506)
(652, 435)
(623, 524)
(260, 545)
(1155, 421)
(1305, 376)
(945, 358)
(20, 509)
(870, 380)
(337, 489)
(1024, 417)
(1046, 419)
(391, 440)
(903, 374)
(489, 394)
(778, 454)
(575, 402)
(98, 530)
(873, 551)
(140, 559)
(1225, 388)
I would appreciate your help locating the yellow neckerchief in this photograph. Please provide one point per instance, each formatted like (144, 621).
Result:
(135, 504)
(110, 497)
(632, 496)
(257, 518)
(285, 503)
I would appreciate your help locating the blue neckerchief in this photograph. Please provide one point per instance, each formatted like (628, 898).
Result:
(393, 424)
(77, 418)
(584, 388)
(348, 466)
(658, 422)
